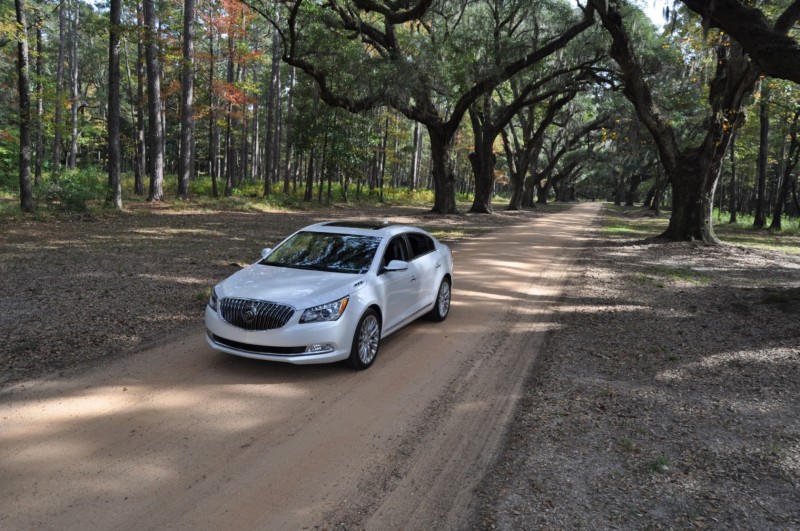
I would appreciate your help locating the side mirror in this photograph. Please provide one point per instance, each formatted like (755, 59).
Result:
(396, 265)
(265, 251)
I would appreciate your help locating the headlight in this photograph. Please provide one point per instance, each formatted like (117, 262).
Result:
(325, 312)
(213, 300)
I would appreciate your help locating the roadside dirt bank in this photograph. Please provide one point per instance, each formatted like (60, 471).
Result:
(666, 398)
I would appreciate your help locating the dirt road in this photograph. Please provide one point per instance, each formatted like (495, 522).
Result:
(183, 437)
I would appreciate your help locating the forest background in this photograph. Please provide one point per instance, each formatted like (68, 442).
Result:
(295, 101)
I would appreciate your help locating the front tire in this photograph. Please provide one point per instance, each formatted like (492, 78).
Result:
(441, 308)
(366, 341)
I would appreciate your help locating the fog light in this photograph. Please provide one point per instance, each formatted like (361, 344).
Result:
(319, 348)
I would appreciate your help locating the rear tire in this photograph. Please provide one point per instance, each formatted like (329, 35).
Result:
(441, 308)
(366, 341)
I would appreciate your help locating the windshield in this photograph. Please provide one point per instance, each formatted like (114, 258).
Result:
(323, 251)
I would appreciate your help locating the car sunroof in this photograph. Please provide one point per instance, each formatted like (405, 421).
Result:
(371, 225)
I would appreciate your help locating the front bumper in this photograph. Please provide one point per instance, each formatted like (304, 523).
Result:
(308, 343)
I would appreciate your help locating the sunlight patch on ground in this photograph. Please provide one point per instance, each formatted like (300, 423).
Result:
(726, 360)
(168, 231)
(174, 279)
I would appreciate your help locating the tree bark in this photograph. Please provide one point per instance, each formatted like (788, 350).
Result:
(39, 104)
(213, 128)
(57, 119)
(23, 86)
(186, 161)
(444, 177)
(230, 149)
(74, 92)
(141, 149)
(760, 218)
(734, 188)
(288, 169)
(156, 144)
(416, 162)
(482, 159)
(271, 127)
(114, 163)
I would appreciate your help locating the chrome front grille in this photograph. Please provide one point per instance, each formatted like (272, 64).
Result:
(255, 315)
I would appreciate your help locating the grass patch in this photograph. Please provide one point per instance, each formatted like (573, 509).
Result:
(659, 465)
(635, 222)
(680, 274)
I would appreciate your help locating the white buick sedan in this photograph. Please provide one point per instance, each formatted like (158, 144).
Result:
(331, 292)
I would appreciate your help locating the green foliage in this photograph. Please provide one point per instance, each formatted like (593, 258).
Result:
(659, 465)
(72, 191)
(9, 159)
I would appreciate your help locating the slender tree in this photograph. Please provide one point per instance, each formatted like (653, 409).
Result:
(156, 140)
(760, 218)
(114, 154)
(57, 119)
(74, 83)
(141, 143)
(272, 128)
(186, 162)
(734, 192)
(23, 85)
(39, 102)
(287, 166)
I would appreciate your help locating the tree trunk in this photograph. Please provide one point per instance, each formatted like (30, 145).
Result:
(23, 85)
(141, 150)
(633, 188)
(271, 127)
(230, 151)
(482, 160)
(288, 170)
(114, 164)
(75, 22)
(62, 24)
(255, 166)
(309, 191)
(692, 200)
(734, 189)
(186, 162)
(213, 128)
(444, 178)
(542, 190)
(39, 104)
(156, 147)
(760, 218)
(416, 162)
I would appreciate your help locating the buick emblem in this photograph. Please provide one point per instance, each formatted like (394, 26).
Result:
(249, 314)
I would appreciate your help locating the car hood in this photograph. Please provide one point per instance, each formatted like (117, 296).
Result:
(299, 288)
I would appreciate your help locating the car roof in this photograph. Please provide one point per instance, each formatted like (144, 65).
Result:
(362, 228)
